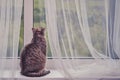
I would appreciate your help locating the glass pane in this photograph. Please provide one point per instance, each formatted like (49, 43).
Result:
(97, 23)
(96, 20)
(39, 19)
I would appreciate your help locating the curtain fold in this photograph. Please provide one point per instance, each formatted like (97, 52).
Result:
(10, 19)
(84, 29)
(116, 31)
(112, 27)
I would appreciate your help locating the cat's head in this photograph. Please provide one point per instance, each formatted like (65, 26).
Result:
(38, 32)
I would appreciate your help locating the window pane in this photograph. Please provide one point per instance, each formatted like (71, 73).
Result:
(39, 19)
(96, 19)
(97, 23)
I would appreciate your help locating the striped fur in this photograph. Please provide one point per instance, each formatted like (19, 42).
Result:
(33, 56)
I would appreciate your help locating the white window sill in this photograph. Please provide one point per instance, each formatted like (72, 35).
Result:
(54, 75)
(16, 74)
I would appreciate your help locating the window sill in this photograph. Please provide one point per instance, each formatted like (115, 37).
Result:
(54, 75)
(16, 74)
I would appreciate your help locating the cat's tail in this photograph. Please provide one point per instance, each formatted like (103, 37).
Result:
(36, 74)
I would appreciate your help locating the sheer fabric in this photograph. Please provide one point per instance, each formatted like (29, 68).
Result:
(10, 18)
(84, 29)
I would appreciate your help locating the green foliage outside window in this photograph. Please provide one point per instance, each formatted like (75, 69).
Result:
(21, 38)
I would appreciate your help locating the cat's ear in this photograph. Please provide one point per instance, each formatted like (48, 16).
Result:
(43, 29)
(33, 29)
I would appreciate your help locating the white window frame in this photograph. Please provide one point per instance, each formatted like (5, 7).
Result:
(28, 21)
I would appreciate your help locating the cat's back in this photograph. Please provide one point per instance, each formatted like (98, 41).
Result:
(30, 48)
(30, 51)
(32, 54)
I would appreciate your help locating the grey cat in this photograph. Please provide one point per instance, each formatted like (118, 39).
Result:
(33, 55)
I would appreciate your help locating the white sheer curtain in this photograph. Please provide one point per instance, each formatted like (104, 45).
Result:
(10, 19)
(82, 29)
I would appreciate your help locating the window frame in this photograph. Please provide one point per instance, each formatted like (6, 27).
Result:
(28, 21)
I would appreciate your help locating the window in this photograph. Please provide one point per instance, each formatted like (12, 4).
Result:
(33, 15)
(96, 20)
(37, 17)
